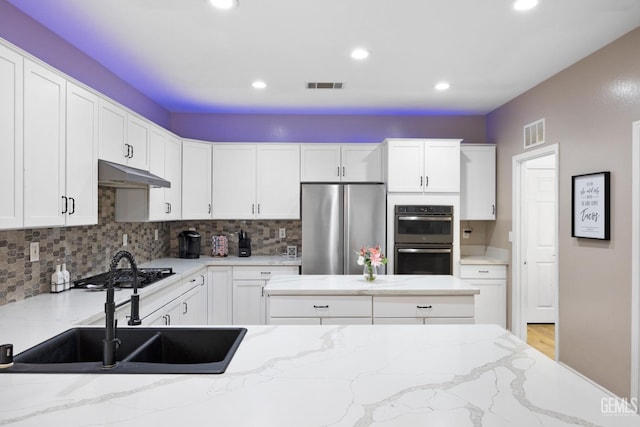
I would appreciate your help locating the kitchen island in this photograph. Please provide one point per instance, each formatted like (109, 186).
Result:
(350, 299)
(455, 375)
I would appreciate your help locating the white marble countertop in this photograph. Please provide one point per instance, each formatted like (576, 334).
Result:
(386, 375)
(482, 259)
(357, 285)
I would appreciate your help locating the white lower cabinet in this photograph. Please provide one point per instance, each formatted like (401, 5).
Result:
(491, 303)
(321, 310)
(365, 309)
(423, 309)
(248, 292)
(220, 296)
(178, 304)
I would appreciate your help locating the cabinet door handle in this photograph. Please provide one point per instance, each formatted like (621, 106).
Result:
(258, 208)
(321, 307)
(483, 271)
(493, 209)
(186, 308)
(426, 181)
(73, 205)
(166, 319)
(421, 181)
(131, 151)
(253, 208)
(424, 306)
(168, 209)
(344, 171)
(65, 201)
(209, 208)
(338, 171)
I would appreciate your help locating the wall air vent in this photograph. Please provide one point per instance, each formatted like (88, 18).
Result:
(534, 134)
(325, 85)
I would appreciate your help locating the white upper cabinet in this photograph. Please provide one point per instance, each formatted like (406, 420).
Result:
(278, 181)
(44, 147)
(165, 160)
(123, 138)
(196, 180)
(423, 165)
(341, 163)
(320, 162)
(11, 144)
(477, 182)
(82, 157)
(256, 181)
(234, 181)
(155, 204)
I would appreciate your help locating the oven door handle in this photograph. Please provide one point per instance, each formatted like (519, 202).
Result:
(424, 218)
(424, 251)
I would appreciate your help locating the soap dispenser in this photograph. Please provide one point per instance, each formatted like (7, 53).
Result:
(66, 277)
(57, 280)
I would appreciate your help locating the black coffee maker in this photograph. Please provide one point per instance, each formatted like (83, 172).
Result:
(189, 244)
(244, 244)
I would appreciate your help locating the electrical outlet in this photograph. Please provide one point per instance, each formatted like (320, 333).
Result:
(283, 233)
(155, 234)
(34, 251)
(125, 240)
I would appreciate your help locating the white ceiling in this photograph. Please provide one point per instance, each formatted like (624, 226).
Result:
(189, 57)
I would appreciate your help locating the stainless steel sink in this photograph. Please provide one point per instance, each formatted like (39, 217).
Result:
(141, 350)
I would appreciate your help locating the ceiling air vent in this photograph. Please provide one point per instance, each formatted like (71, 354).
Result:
(534, 134)
(325, 85)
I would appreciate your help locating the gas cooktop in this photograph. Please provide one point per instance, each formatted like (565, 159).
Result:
(124, 278)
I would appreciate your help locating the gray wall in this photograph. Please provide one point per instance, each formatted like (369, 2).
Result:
(589, 109)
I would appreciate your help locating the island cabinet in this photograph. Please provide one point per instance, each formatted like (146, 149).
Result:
(349, 299)
(423, 309)
(319, 310)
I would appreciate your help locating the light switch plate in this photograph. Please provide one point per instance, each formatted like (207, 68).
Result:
(34, 251)
(283, 233)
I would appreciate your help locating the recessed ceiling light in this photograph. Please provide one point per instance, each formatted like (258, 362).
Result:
(359, 53)
(442, 86)
(259, 84)
(224, 4)
(525, 4)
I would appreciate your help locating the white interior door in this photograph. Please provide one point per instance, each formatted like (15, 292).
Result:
(540, 278)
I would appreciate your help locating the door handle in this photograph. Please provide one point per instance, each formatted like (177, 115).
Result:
(73, 205)
(65, 209)
(424, 306)
(321, 307)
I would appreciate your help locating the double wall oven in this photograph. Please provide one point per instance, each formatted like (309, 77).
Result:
(423, 239)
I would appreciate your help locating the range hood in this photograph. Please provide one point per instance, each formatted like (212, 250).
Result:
(121, 176)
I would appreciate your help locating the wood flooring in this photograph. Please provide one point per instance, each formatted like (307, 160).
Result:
(542, 337)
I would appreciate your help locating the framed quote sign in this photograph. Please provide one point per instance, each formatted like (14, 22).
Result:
(590, 206)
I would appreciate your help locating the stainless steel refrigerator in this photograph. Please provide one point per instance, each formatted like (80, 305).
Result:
(337, 220)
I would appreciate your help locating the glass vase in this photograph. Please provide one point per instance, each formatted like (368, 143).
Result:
(370, 273)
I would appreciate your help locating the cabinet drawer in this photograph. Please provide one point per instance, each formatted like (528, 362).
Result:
(423, 306)
(483, 271)
(319, 306)
(263, 272)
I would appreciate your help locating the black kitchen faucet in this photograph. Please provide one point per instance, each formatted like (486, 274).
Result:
(110, 343)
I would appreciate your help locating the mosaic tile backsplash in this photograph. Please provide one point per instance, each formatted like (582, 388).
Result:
(88, 250)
